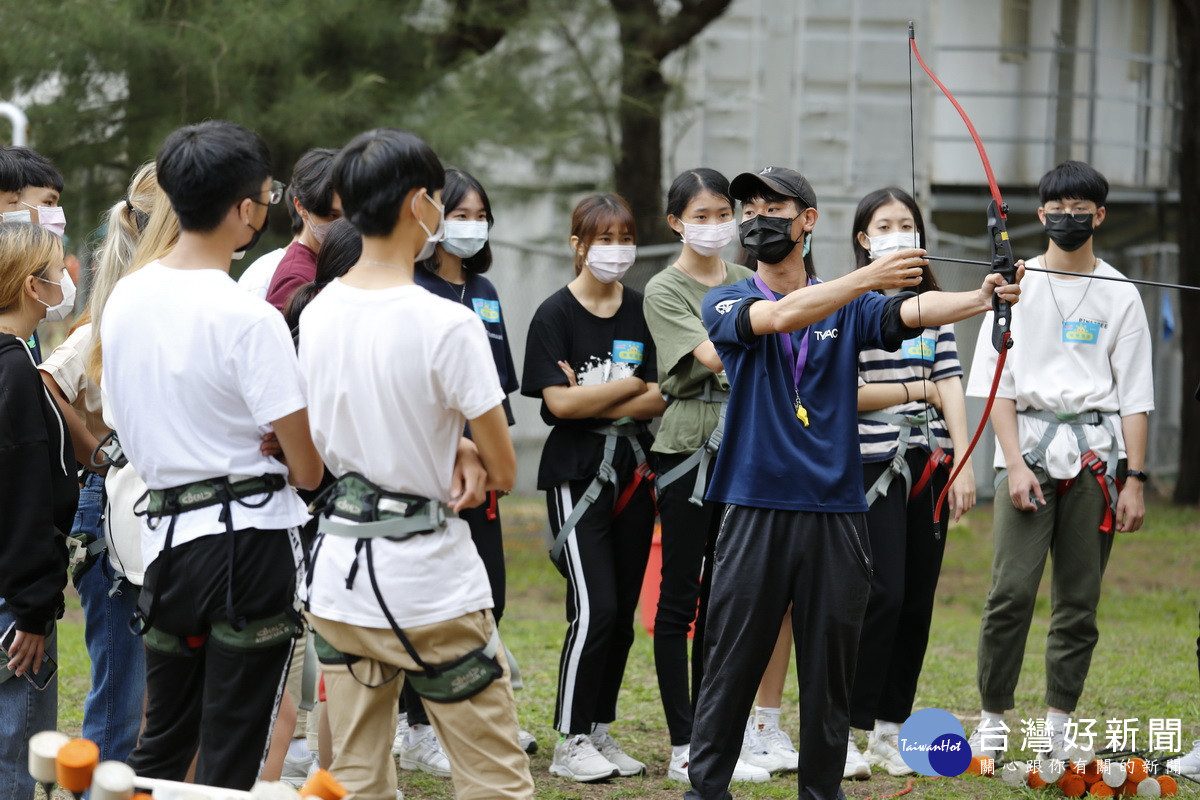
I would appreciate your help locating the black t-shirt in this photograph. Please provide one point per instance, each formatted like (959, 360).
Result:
(599, 350)
(479, 295)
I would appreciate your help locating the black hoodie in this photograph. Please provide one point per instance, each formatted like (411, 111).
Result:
(39, 491)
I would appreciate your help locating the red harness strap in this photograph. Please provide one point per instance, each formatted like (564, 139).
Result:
(1092, 463)
(643, 473)
(938, 459)
(493, 513)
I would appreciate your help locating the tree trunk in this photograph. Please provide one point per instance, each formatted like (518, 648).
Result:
(638, 176)
(1187, 33)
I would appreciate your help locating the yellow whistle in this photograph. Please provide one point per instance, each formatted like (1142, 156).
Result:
(802, 413)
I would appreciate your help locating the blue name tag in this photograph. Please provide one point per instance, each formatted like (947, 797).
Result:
(627, 352)
(1078, 332)
(922, 347)
(488, 310)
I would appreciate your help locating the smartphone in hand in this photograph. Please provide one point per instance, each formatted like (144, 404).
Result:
(47, 669)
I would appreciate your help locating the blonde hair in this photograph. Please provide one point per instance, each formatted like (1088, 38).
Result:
(124, 248)
(25, 250)
(162, 233)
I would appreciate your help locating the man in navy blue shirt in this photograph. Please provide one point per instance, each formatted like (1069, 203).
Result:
(794, 530)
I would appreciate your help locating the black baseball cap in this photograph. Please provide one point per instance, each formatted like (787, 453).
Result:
(779, 180)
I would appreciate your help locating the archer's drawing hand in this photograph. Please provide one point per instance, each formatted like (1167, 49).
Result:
(899, 270)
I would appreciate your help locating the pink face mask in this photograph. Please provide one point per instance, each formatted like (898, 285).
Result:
(52, 218)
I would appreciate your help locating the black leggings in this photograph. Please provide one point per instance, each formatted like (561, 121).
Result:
(488, 536)
(688, 534)
(908, 549)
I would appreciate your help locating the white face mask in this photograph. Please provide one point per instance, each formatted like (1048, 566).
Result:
(464, 238)
(891, 242)
(52, 218)
(62, 309)
(708, 240)
(432, 237)
(610, 262)
(17, 216)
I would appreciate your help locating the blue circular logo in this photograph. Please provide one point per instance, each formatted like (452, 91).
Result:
(932, 742)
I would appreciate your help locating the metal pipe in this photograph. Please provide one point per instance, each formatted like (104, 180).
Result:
(20, 122)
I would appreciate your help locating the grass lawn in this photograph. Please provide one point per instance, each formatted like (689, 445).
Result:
(1144, 666)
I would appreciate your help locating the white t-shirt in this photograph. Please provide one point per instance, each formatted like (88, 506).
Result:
(68, 366)
(195, 370)
(392, 375)
(1078, 345)
(257, 278)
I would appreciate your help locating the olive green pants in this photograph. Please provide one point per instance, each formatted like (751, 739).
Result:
(1067, 529)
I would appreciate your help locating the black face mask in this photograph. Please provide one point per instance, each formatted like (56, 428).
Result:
(767, 239)
(258, 232)
(1066, 232)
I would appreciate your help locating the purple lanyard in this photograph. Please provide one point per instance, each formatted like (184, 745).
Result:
(797, 362)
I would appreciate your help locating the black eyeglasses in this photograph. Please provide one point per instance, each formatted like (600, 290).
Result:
(277, 188)
(1083, 216)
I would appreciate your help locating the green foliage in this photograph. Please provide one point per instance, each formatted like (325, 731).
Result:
(529, 88)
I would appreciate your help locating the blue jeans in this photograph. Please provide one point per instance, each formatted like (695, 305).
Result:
(112, 712)
(24, 711)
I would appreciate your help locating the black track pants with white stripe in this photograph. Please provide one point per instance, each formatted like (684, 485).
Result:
(604, 561)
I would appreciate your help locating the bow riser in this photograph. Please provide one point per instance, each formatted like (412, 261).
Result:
(1004, 264)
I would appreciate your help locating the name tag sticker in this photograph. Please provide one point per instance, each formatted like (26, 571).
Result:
(1079, 332)
(488, 310)
(921, 347)
(627, 352)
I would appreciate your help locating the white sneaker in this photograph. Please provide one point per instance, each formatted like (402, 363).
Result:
(401, 734)
(883, 750)
(296, 770)
(742, 772)
(778, 742)
(748, 773)
(757, 753)
(677, 770)
(422, 751)
(577, 758)
(856, 767)
(1059, 751)
(1187, 764)
(607, 746)
(527, 741)
(993, 734)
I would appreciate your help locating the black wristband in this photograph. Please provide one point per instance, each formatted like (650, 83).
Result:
(1137, 473)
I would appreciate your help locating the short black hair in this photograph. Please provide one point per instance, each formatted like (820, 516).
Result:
(207, 168)
(376, 171)
(459, 184)
(11, 175)
(1073, 180)
(37, 170)
(693, 182)
(312, 182)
